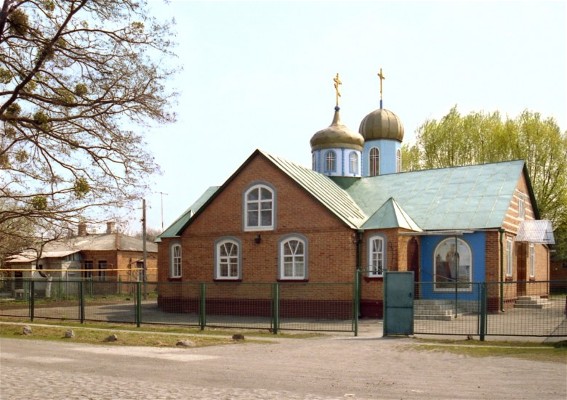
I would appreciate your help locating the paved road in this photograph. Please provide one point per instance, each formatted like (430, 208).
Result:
(339, 367)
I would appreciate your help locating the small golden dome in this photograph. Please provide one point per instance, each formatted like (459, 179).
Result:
(337, 135)
(382, 124)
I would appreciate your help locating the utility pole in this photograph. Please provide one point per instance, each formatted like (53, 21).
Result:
(145, 257)
(161, 195)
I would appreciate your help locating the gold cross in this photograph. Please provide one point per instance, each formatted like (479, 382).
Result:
(382, 77)
(337, 90)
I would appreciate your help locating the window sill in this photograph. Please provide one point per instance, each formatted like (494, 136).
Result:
(286, 280)
(508, 279)
(227, 280)
(175, 279)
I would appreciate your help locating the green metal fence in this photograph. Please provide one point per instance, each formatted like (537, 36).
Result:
(270, 306)
(511, 308)
(477, 309)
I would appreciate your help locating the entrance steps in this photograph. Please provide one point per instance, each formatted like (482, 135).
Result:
(438, 309)
(534, 302)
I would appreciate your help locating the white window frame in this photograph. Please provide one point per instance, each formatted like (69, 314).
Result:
(231, 259)
(374, 162)
(398, 160)
(453, 275)
(509, 257)
(376, 257)
(259, 206)
(291, 256)
(353, 162)
(531, 260)
(330, 161)
(175, 264)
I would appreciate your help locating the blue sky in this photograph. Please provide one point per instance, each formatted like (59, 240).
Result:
(259, 75)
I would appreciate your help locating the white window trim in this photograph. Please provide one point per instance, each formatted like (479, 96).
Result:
(218, 259)
(371, 272)
(531, 258)
(281, 262)
(509, 257)
(330, 155)
(353, 162)
(247, 226)
(374, 171)
(464, 286)
(175, 270)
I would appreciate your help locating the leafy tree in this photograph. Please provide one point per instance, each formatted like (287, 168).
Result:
(79, 79)
(479, 138)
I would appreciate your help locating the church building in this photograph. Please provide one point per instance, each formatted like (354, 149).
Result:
(274, 221)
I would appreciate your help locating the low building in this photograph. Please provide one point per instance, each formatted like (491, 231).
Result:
(98, 257)
(354, 210)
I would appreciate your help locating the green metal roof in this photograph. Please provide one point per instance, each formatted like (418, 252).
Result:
(324, 190)
(391, 215)
(179, 223)
(463, 198)
(469, 197)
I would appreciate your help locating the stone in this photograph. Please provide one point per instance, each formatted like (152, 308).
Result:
(69, 334)
(27, 330)
(185, 343)
(238, 336)
(111, 338)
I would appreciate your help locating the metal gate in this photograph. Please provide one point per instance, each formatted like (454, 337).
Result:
(398, 303)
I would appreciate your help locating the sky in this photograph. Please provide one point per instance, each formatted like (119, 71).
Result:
(259, 75)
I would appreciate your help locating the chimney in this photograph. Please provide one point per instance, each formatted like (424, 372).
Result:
(82, 229)
(110, 227)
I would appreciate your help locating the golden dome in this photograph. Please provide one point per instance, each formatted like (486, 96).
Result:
(382, 124)
(337, 135)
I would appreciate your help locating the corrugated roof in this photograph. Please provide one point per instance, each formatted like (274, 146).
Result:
(173, 229)
(469, 197)
(536, 231)
(324, 190)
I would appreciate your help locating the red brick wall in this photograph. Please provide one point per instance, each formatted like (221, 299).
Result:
(331, 244)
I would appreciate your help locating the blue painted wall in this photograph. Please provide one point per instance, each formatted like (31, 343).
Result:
(477, 244)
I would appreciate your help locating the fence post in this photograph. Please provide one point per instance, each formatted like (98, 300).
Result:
(138, 303)
(32, 299)
(356, 302)
(202, 307)
(483, 311)
(82, 301)
(275, 308)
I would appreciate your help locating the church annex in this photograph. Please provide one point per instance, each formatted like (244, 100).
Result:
(274, 221)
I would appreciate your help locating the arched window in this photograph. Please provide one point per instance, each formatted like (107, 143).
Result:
(314, 162)
(353, 162)
(376, 256)
(259, 208)
(374, 162)
(452, 265)
(227, 260)
(399, 161)
(293, 258)
(330, 161)
(175, 261)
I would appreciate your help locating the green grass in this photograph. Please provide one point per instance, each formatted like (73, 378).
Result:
(130, 335)
(550, 352)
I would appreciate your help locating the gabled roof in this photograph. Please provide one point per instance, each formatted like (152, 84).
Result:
(536, 231)
(457, 198)
(93, 242)
(391, 215)
(468, 197)
(323, 189)
(174, 229)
